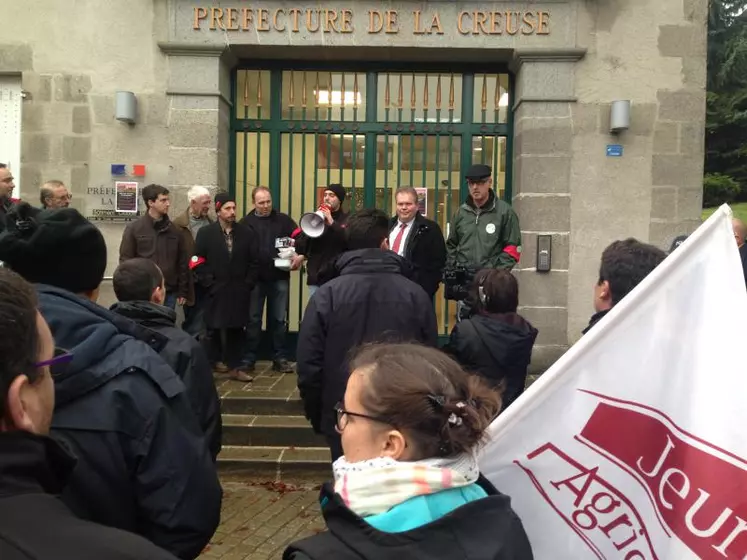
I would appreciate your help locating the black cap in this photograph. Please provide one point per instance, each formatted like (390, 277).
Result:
(478, 171)
(223, 198)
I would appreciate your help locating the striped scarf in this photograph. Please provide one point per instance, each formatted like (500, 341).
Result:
(377, 485)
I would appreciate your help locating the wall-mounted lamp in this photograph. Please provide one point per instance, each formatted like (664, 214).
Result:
(126, 107)
(619, 116)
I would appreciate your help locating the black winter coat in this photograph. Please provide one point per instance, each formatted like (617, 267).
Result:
(370, 301)
(486, 529)
(187, 357)
(227, 279)
(322, 252)
(425, 250)
(143, 464)
(268, 229)
(36, 525)
(496, 346)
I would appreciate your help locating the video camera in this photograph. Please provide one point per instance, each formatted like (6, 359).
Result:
(457, 281)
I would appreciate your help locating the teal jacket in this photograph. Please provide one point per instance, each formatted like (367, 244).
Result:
(421, 510)
(487, 237)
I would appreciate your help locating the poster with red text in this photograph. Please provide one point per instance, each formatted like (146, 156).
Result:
(633, 446)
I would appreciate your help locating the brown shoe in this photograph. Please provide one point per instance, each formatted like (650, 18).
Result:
(220, 367)
(239, 375)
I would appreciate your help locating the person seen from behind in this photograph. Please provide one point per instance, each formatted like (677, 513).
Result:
(34, 468)
(143, 464)
(408, 485)
(624, 265)
(140, 288)
(495, 341)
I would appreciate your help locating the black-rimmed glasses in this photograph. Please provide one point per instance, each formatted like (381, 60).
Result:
(342, 417)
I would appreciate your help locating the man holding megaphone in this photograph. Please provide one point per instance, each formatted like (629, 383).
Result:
(322, 238)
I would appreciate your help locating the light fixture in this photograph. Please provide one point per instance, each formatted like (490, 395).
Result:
(351, 98)
(619, 116)
(125, 108)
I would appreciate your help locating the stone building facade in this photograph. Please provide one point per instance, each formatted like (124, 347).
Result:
(568, 60)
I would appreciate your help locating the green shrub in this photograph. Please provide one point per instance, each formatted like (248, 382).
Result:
(718, 189)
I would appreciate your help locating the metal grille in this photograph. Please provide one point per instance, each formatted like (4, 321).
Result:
(296, 131)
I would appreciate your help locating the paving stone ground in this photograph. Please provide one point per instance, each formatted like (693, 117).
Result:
(259, 522)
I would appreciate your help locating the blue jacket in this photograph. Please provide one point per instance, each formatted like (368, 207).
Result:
(143, 464)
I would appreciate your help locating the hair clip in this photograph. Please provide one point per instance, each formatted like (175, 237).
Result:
(455, 420)
(439, 401)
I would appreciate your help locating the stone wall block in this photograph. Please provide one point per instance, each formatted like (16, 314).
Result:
(72, 88)
(543, 289)
(32, 179)
(542, 174)
(681, 41)
(80, 179)
(694, 71)
(676, 170)
(76, 149)
(661, 234)
(32, 118)
(15, 58)
(692, 138)
(193, 166)
(666, 138)
(689, 203)
(681, 105)
(551, 322)
(664, 203)
(39, 87)
(642, 118)
(543, 356)
(538, 137)
(544, 213)
(82, 120)
(35, 148)
(586, 118)
(103, 109)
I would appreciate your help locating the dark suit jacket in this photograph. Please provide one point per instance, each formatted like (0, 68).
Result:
(425, 250)
(227, 279)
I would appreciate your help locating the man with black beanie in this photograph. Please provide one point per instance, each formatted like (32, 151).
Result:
(143, 464)
(321, 252)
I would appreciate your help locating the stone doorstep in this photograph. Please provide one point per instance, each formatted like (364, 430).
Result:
(262, 404)
(307, 465)
(283, 431)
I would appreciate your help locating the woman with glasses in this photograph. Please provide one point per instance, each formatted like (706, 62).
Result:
(408, 485)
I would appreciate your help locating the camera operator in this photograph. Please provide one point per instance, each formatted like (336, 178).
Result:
(484, 233)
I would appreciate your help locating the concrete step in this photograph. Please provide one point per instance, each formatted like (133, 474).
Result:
(265, 403)
(261, 430)
(306, 465)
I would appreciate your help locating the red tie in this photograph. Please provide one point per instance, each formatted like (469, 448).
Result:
(398, 239)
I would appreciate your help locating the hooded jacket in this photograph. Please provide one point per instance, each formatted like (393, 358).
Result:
(187, 357)
(370, 301)
(485, 529)
(496, 346)
(321, 252)
(143, 465)
(36, 525)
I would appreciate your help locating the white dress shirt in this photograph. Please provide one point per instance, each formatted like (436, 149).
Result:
(393, 235)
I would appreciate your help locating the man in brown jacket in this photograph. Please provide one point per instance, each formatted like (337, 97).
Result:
(155, 238)
(189, 223)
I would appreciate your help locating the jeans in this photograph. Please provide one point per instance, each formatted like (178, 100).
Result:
(170, 300)
(276, 294)
(194, 319)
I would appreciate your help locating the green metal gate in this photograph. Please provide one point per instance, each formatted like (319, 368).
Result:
(373, 129)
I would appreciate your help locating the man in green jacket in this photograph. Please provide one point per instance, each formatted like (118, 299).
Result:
(485, 230)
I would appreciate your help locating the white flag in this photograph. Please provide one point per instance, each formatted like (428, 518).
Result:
(633, 445)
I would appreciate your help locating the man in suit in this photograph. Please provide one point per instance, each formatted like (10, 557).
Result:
(225, 265)
(418, 240)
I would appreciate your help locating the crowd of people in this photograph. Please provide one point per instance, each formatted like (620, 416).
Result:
(110, 422)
